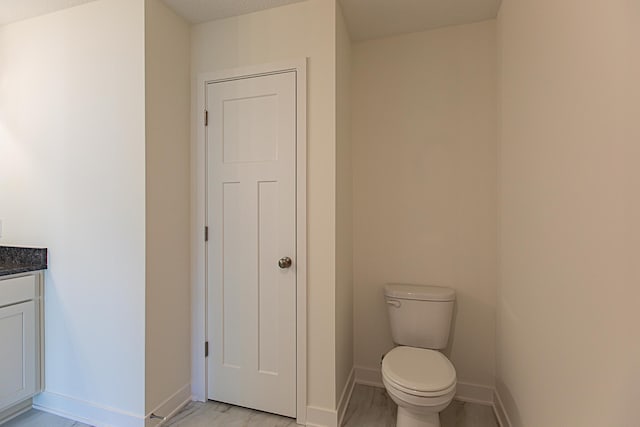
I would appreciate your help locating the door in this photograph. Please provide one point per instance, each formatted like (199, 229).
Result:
(17, 353)
(251, 215)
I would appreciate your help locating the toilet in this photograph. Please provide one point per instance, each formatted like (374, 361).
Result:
(419, 378)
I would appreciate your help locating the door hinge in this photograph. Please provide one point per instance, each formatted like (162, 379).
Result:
(206, 234)
(206, 349)
(206, 118)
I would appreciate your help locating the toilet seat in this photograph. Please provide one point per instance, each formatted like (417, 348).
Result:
(419, 372)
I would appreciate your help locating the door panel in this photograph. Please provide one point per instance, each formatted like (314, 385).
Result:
(251, 143)
(17, 353)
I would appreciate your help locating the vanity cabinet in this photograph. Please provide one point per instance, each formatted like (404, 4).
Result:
(21, 338)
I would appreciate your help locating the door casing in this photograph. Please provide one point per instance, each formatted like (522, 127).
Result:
(199, 248)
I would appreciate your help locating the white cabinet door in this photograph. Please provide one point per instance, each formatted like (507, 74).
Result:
(17, 353)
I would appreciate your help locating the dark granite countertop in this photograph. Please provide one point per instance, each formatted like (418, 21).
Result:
(14, 260)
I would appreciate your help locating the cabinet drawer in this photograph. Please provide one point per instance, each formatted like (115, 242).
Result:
(17, 289)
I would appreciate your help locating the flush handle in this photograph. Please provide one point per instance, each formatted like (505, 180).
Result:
(394, 303)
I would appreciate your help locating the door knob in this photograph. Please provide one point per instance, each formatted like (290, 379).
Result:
(285, 262)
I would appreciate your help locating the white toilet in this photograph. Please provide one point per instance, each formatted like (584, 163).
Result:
(420, 379)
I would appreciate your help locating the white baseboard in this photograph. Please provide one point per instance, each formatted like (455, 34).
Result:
(171, 406)
(321, 417)
(85, 412)
(15, 411)
(499, 410)
(465, 392)
(368, 376)
(345, 398)
(474, 393)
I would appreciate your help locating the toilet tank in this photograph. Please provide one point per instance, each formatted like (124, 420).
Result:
(419, 315)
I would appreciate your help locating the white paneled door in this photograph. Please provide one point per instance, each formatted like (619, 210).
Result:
(251, 215)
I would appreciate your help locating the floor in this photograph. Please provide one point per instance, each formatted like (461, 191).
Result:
(35, 418)
(372, 407)
(369, 406)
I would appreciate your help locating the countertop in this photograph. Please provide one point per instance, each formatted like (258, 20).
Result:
(14, 260)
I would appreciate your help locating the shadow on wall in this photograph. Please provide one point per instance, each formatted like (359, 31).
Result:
(468, 346)
(509, 404)
(452, 332)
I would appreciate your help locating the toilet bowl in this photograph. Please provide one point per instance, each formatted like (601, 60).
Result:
(421, 382)
(418, 378)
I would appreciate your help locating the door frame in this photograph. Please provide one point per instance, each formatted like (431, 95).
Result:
(199, 295)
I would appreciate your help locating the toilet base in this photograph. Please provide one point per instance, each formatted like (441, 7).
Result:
(409, 419)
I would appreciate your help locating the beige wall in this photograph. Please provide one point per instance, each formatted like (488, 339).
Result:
(568, 347)
(424, 151)
(344, 208)
(72, 178)
(297, 31)
(167, 204)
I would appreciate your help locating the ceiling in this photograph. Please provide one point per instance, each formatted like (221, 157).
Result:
(17, 10)
(194, 11)
(371, 19)
(366, 19)
(197, 11)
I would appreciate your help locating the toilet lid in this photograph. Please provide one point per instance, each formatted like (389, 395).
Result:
(418, 369)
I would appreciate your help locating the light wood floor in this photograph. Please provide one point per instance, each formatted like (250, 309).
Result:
(372, 407)
(35, 418)
(369, 407)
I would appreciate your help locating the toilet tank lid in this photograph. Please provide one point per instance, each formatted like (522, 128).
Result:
(419, 292)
